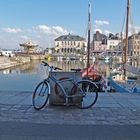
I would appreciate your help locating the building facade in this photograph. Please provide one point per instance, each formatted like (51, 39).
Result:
(114, 42)
(99, 43)
(70, 44)
(134, 45)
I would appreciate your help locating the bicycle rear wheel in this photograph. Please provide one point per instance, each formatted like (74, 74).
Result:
(87, 92)
(41, 95)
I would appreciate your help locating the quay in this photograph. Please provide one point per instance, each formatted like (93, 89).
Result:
(114, 116)
(6, 62)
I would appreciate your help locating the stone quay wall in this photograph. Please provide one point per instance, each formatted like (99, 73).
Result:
(7, 62)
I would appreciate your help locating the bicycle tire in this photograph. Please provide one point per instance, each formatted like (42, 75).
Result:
(41, 95)
(87, 92)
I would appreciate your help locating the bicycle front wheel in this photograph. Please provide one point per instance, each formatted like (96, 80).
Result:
(41, 95)
(87, 92)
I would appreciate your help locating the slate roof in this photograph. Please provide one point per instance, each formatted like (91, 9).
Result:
(99, 37)
(70, 37)
(136, 36)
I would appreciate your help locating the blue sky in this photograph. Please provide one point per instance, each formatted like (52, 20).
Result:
(44, 20)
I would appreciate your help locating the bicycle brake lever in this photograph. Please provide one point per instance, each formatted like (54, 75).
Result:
(45, 63)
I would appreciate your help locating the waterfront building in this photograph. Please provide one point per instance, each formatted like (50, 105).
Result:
(29, 47)
(134, 45)
(114, 42)
(70, 45)
(107, 46)
(99, 43)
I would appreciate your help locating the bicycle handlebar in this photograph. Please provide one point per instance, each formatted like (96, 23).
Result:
(52, 67)
(56, 68)
(45, 63)
(76, 70)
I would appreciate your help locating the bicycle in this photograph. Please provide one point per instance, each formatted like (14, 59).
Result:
(85, 90)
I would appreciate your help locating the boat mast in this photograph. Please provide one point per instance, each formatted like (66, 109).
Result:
(126, 38)
(88, 43)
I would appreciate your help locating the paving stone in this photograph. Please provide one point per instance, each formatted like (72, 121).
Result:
(112, 109)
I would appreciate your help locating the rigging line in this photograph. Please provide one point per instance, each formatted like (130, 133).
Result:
(123, 24)
(133, 31)
(132, 22)
(122, 33)
(131, 25)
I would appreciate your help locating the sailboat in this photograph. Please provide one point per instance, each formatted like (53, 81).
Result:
(126, 85)
(90, 72)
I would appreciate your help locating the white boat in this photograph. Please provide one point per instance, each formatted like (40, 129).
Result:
(132, 69)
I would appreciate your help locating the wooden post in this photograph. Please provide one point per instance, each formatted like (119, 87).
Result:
(88, 44)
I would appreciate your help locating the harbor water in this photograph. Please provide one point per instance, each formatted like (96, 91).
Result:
(26, 77)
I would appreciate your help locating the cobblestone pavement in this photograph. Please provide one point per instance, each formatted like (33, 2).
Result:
(110, 109)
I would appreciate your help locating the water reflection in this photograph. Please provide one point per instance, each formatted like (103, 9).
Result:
(68, 65)
(26, 77)
(25, 68)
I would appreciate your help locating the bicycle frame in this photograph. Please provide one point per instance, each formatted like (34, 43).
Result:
(81, 89)
(58, 82)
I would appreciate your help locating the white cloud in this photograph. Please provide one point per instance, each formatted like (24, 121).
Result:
(106, 32)
(54, 30)
(101, 23)
(134, 29)
(24, 37)
(137, 29)
(43, 35)
(12, 30)
(99, 30)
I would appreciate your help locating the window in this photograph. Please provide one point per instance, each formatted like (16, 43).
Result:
(68, 50)
(62, 50)
(65, 50)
